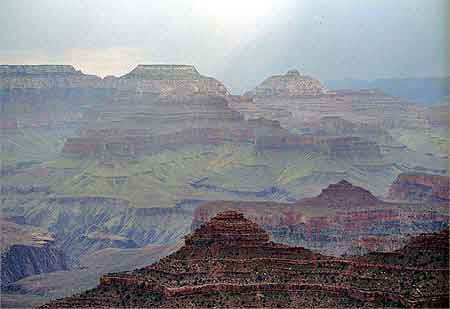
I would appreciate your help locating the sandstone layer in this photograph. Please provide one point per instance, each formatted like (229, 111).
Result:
(342, 219)
(230, 262)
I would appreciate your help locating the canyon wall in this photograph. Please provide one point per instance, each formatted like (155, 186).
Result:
(420, 187)
(342, 219)
(230, 262)
(27, 251)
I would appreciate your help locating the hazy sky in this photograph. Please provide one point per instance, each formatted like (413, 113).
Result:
(240, 42)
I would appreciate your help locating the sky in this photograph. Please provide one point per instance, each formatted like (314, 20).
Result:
(240, 42)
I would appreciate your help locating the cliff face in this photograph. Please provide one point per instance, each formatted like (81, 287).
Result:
(20, 261)
(347, 147)
(27, 251)
(230, 262)
(295, 100)
(85, 225)
(420, 187)
(45, 77)
(341, 217)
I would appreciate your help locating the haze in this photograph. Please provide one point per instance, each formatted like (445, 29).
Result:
(238, 42)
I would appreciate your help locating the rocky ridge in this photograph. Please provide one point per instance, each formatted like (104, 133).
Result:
(420, 187)
(230, 262)
(26, 251)
(160, 79)
(342, 218)
(291, 84)
(344, 195)
(45, 77)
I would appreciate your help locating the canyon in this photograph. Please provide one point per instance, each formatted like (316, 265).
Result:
(122, 164)
(26, 251)
(342, 219)
(231, 262)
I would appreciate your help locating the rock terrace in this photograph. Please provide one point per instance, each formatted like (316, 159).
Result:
(251, 271)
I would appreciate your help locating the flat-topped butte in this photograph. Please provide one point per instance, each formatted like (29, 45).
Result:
(37, 69)
(164, 71)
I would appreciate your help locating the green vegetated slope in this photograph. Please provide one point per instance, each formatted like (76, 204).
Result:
(28, 146)
(94, 203)
(432, 141)
(228, 171)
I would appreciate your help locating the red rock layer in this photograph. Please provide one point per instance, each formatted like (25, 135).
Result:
(230, 262)
(420, 187)
(343, 194)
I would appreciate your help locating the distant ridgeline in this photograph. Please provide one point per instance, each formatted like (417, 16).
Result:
(168, 105)
(426, 91)
(56, 96)
(153, 106)
(159, 79)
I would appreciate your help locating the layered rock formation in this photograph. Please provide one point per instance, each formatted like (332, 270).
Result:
(370, 107)
(427, 250)
(351, 147)
(230, 262)
(420, 187)
(376, 129)
(168, 80)
(343, 195)
(340, 218)
(45, 77)
(291, 84)
(160, 79)
(335, 126)
(27, 251)
(55, 96)
(136, 124)
(133, 125)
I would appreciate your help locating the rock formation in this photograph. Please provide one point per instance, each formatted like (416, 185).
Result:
(137, 124)
(160, 79)
(292, 84)
(230, 262)
(341, 217)
(422, 250)
(343, 195)
(420, 187)
(45, 77)
(369, 107)
(168, 80)
(351, 147)
(27, 251)
(56, 96)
